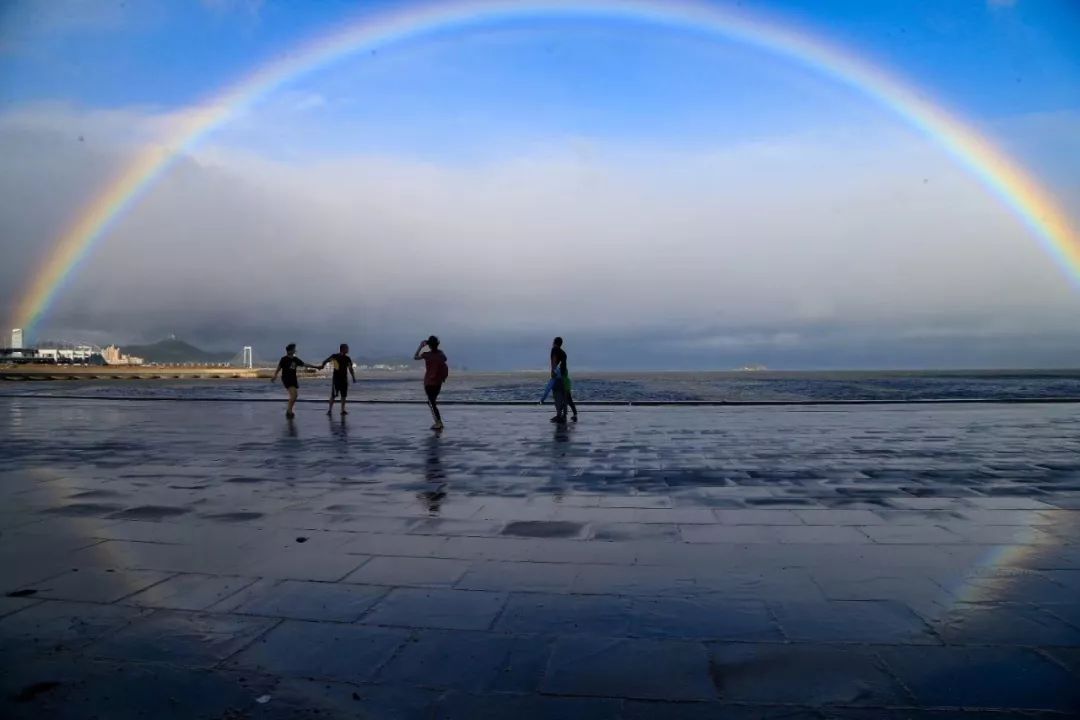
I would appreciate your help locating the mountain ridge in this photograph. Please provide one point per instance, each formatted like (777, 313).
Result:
(173, 350)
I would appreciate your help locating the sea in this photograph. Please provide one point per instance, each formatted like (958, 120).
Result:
(658, 387)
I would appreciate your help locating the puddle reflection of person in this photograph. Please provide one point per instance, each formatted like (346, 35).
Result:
(434, 474)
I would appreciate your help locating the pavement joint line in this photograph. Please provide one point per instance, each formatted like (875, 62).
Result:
(150, 611)
(256, 638)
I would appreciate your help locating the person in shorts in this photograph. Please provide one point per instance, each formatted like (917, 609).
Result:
(287, 366)
(342, 367)
(435, 373)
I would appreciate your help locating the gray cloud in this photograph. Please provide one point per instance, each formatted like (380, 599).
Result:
(814, 251)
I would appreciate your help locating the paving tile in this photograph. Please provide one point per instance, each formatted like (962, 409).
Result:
(308, 565)
(1069, 612)
(919, 714)
(9, 605)
(301, 600)
(876, 584)
(519, 576)
(1068, 579)
(759, 584)
(350, 653)
(461, 706)
(1002, 534)
(414, 572)
(771, 534)
(303, 699)
(1069, 658)
(706, 618)
(95, 585)
(983, 677)
(1009, 503)
(185, 639)
(525, 664)
(62, 625)
(660, 710)
(565, 614)
(458, 528)
(449, 609)
(995, 624)
(461, 660)
(751, 516)
(641, 580)
(636, 531)
(500, 548)
(833, 516)
(812, 675)
(879, 621)
(629, 668)
(634, 501)
(1012, 586)
(190, 591)
(910, 534)
(544, 529)
(62, 687)
(396, 545)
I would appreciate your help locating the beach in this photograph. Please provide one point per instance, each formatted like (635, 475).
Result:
(194, 559)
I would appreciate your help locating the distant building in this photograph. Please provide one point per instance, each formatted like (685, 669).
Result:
(16, 339)
(113, 356)
(73, 354)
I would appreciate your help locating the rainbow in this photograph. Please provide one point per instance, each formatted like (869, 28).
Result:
(1001, 175)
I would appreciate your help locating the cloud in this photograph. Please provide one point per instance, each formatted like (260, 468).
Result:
(781, 251)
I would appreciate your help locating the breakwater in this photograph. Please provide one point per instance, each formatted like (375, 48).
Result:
(16, 373)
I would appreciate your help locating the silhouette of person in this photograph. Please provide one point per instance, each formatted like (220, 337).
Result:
(559, 373)
(435, 373)
(339, 385)
(287, 366)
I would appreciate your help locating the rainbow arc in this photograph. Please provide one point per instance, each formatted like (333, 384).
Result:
(1014, 186)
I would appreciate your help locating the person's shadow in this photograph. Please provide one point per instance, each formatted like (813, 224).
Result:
(434, 475)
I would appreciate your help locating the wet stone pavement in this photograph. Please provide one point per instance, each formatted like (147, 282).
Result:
(211, 560)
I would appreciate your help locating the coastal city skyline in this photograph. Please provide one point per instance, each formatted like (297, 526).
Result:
(709, 189)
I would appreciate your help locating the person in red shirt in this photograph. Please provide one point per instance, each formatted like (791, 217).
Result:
(435, 373)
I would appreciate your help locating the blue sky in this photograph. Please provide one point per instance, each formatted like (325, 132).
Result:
(984, 58)
(752, 196)
(988, 60)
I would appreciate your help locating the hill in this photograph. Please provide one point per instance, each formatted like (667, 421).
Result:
(175, 351)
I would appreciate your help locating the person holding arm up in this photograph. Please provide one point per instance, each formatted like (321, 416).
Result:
(436, 371)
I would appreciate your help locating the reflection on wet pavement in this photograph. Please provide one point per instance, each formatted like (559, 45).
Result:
(186, 559)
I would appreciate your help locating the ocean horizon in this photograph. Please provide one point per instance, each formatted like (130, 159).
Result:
(612, 386)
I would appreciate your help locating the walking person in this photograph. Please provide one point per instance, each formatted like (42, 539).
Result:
(570, 396)
(435, 373)
(559, 374)
(343, 367)
(287, 366)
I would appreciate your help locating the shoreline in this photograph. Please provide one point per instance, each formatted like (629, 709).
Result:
(39, 373)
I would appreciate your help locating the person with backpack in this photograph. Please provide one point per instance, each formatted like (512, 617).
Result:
(435, 373)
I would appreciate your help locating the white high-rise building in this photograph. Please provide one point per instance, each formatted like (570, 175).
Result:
(16, 338)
